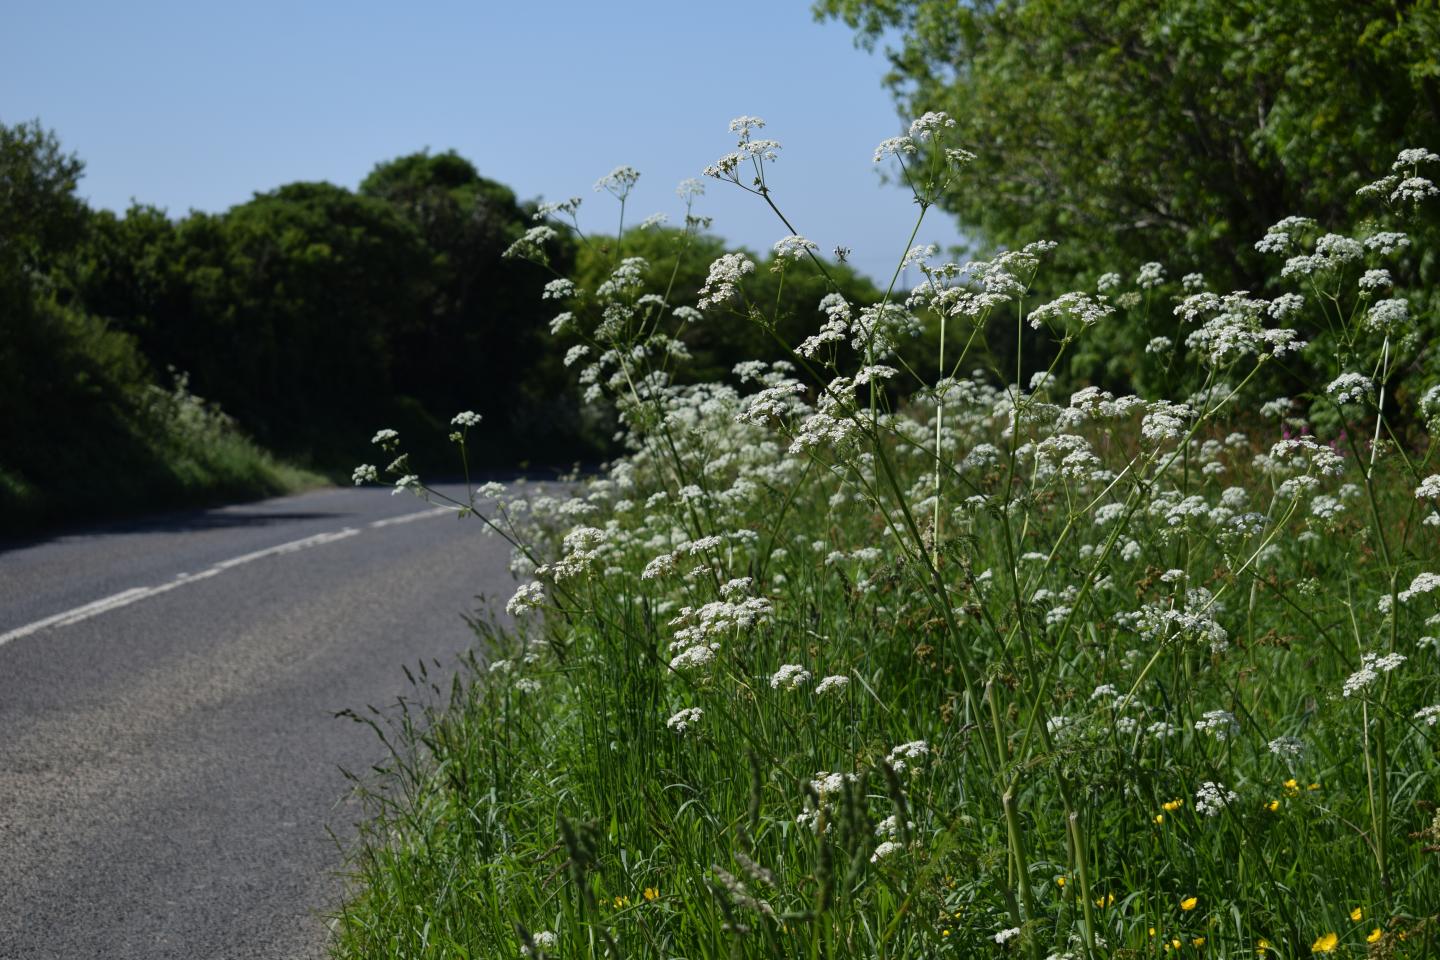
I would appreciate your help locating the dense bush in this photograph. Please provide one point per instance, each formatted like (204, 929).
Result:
(87, 432)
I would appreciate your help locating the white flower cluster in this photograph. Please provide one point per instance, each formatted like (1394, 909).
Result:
(1151, 275)
(1386, 242)
(793, 247)
(1220, 724)
(1316, 458)
(566, 207)
(929, 124)
(531, 245)
(888, 848)
(1288, 748)
(558, 289)
(908, 755)
(1233, 327)
(701, 627)
(1374, 280)
(1388, 316)
(544, 940)
(582, 550)
(1081, 307)
(894, 147)
(790, 676)
(530, 596)
(1422, 584)
(1212, 798)
(757, 151)
(890, 826)
(724, 279)
(1371, 666)
(1350, 388)
(685, 719)
(1165, 421)
(827, 785)
(619, 181)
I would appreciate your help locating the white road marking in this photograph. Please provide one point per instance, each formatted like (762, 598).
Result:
(135, 594)
(290, 547)
(407, 517)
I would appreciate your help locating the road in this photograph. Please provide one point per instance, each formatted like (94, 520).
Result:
(170, 760)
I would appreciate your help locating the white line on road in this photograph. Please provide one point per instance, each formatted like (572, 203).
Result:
(290, 547)
(135, 594)
(407, 517)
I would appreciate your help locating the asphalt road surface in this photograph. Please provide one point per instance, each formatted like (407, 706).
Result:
(169, 756)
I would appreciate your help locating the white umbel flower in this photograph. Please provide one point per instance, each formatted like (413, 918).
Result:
(790, 677)
(685, 719)
(886, 849)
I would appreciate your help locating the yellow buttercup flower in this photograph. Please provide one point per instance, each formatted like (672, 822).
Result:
(1261, 946)
(1325, 944)
(652, 894)
(1059, 881)
(1189, 903)
(1105, 901)
(1273, 805)
(1173, 805)
(1159, 818)
(1292, 785)
(1357, 913)
(1198, 941)
(1375, 934)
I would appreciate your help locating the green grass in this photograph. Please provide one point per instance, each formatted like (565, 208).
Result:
(1076, 634)
(141, 449)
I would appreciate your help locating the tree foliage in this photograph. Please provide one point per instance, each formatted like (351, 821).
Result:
(312, 312)
(476, 334)
(1177, 132)
(87, 430)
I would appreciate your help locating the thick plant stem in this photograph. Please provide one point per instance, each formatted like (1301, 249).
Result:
(1014, 837)
(1017, 854)
(1082, 869)
(939, 437)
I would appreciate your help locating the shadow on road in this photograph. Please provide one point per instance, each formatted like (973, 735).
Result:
(185, 521)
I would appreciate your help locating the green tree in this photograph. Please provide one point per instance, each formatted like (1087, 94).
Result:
(282, 309)
(86, 430)
(1176, 132)
(477, 339)
(40, 216)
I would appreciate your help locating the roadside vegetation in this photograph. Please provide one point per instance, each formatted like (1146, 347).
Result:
(89, 430)
(305, 314)
(909, 644)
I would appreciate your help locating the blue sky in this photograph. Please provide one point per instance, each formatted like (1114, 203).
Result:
(198, 105)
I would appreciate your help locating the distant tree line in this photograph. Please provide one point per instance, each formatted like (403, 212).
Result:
(310, 315)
